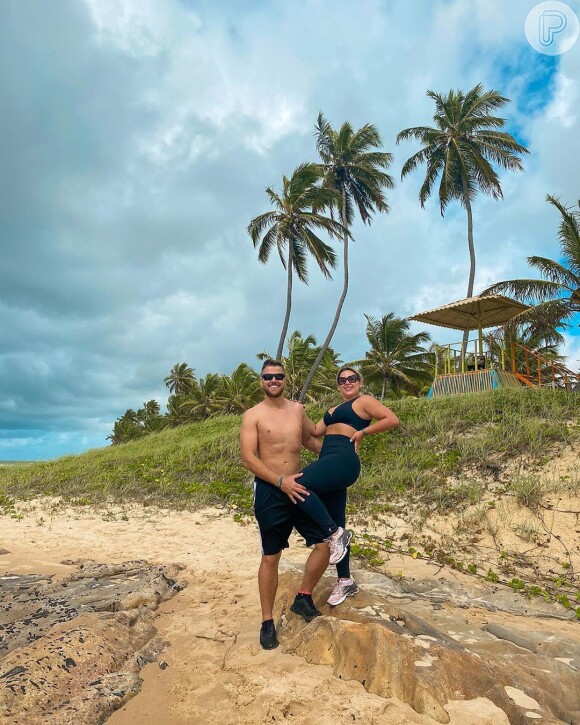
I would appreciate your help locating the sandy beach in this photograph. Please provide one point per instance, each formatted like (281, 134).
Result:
(212, 669)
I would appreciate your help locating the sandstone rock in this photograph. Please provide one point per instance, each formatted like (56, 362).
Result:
(71, 649)
(429, 658)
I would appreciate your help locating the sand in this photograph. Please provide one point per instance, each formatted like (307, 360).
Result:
(213, 669)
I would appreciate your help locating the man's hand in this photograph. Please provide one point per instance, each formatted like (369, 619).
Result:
(294, 490)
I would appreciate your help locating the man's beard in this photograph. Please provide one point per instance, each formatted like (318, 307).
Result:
(274, 393)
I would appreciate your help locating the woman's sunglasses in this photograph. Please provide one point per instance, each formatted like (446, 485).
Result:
(348, 379)
(273, 376)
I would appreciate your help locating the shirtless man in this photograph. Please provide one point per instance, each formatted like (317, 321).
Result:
(271, 438)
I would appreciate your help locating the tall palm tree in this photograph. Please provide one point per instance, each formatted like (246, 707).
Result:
(396, 358)
(298, 214)
(556, 298)
(461, 150)
(355, 170)
(181, 379)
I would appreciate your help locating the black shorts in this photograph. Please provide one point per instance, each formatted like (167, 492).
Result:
(277, 516)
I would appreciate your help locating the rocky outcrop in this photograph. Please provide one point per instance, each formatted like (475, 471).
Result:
(71, 650)
(428, 655)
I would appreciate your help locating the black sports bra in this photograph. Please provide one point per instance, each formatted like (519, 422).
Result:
(344, 413)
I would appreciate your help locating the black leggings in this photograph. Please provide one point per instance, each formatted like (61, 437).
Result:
(335, 503)
(327, 480)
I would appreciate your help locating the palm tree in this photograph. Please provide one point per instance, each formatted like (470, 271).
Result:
(461, 150)
(302, 351)
(354, 169)
(181, 379)
(238, 392)
(556, 298)
(201, 402)
(543, 342)
(396, 359)
(292, 224)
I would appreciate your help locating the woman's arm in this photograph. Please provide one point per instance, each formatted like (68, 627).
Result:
(319, 429)
(384, 417)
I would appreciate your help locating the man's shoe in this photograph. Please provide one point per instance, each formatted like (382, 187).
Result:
(268, 638)
(304, 606)
(341, 591)
(338, 544)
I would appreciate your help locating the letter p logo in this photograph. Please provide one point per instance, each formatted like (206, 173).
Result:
(552, 28)
(551, 22)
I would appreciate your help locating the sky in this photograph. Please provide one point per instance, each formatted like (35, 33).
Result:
(138, 137)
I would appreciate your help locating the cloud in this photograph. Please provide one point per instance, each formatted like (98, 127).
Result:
(138, 137)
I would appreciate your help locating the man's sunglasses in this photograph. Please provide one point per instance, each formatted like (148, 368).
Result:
(347, 379)
(273, 376)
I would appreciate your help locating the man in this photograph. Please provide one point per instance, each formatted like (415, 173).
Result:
(271, 438)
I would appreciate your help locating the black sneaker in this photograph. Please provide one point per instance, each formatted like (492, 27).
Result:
(304, 606)
(268, 638)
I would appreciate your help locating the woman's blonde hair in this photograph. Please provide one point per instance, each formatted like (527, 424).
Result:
(349, 367)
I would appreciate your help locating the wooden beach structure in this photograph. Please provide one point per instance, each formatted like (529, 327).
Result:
(471, 370)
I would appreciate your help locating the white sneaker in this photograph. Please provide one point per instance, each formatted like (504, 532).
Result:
(343, 588)
(338, 544)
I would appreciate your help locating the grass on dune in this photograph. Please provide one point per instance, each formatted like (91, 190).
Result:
(199, 464)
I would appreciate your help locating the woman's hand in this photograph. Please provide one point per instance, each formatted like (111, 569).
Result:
(357, 440)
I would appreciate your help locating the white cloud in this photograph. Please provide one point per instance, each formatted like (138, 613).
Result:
(158, 124)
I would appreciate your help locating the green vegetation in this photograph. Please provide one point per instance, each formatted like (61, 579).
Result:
(198, 464)
(556, 297)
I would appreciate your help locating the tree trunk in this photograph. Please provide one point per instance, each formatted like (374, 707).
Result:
(471, 269)
(288, 302)
(326, 343)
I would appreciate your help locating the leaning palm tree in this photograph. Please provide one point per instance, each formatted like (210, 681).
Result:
(355, 170)
(556, 298)
(181, 379)
(462, 150)
(396, 359)
(298, 214)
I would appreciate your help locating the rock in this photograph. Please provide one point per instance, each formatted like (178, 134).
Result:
(71, 650)
(430, 659)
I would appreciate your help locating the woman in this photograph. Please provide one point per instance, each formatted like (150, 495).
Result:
(338, 466)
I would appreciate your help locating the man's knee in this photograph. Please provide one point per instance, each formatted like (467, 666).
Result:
(322, 549)
(270, 561)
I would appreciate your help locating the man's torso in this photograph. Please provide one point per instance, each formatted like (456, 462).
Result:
(280, 436)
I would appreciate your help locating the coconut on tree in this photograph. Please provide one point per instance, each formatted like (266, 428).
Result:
(460, 152)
